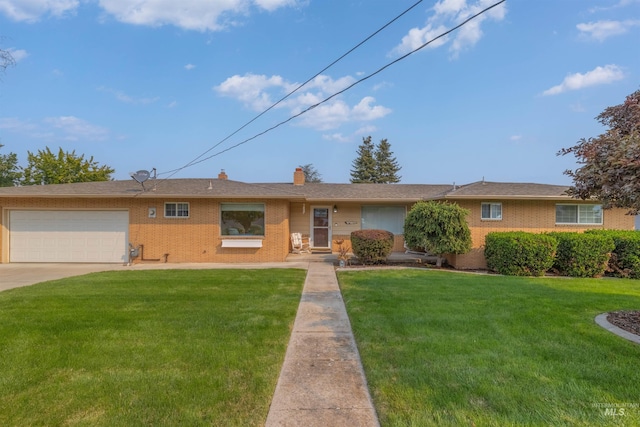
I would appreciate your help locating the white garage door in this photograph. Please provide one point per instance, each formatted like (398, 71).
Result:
(68, 236)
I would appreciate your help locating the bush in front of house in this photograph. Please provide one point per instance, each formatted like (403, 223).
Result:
(582, 255)
(625, 259)
(372, 246)
(438, 228)
(517, 253)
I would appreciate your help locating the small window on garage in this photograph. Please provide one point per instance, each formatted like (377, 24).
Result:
(491, 211)
(176, 210)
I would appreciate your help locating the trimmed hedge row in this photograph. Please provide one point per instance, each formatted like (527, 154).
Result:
(587, 254)
(625, 259)
(372, 246)
(582, 255)
(517, 253)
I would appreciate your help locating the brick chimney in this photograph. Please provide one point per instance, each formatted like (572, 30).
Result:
(222, 175)
(298, 177)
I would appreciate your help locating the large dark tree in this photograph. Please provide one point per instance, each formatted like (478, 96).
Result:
(311, 174)
(63, 168)
(9, 170)
(387, 165)
(364, 166)
(375, 164)
(610, 170)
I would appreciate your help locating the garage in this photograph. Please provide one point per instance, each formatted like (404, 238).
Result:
(68, 236)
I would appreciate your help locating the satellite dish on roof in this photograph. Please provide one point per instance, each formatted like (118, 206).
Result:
(141, 176)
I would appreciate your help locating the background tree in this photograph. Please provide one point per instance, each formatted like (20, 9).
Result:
(310, 173)
(6, 60)
(63, 168)
(610, 170)
(387, 165)
(438, 228)
(364, 166)
(9, 170)
(375, 164)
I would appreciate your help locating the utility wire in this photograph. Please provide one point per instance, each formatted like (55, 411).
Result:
(195, 161)
(378, 71)
(352, 85)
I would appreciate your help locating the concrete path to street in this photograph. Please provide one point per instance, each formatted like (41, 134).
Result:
(322, 382)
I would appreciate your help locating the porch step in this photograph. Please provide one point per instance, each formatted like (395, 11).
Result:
(320, 250)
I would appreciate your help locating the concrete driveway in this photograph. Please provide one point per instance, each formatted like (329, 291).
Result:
(17, 275)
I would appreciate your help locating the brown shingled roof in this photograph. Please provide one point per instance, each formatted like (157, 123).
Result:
(224, 188)
(508, 190)
(152, 188)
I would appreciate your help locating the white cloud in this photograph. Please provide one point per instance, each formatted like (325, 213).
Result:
(621, 3)
(187, 14)
(189, 67)
(128, 99)
(18, 54)
(597, 76)
(75, 129)
(259, 92)
(355, 136)
(272, 5)
(33, 10)
(601, 30)
(63, 128)
(197, 15)
(336, 137)
(15, 125)
(515, 138)
(447, 14)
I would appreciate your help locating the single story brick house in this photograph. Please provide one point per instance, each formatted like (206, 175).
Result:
(221, 220)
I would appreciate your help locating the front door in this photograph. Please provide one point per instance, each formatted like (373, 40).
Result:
(320, 227)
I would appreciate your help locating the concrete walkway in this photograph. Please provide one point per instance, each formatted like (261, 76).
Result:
(322, 382)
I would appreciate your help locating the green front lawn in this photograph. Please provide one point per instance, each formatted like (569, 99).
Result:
(170, 347)
(453, 349)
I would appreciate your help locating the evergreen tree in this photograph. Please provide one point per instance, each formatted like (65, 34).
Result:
(364, 166)
(9, 172)
(375, 164)
(386, 165)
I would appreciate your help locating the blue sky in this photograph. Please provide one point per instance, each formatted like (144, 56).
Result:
(157, 83)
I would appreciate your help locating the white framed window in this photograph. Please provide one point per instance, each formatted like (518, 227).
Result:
(242, 219)
(390, 218)
(578, 214)
(176, 210)
(491, 211)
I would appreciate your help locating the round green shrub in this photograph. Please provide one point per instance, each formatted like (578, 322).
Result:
(582, 255)
(517, 253)
(372, 246)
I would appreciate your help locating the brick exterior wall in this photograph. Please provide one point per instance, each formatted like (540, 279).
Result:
(193, 239)
(534, 216)
(347, 219)
(198, 238)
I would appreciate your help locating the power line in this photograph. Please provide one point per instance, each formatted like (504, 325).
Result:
(378, 71)
(195, 161)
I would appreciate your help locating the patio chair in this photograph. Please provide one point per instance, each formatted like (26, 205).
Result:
(298, 245)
